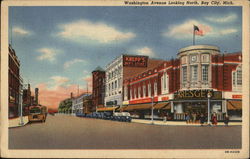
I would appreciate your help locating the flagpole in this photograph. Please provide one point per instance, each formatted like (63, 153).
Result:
(193, 36)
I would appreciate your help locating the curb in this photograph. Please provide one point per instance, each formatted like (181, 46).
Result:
(13, 123)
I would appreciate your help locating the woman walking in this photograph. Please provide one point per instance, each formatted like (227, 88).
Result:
(214, 119)
(202, 119)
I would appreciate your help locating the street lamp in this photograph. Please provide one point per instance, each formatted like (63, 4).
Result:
(208, 107)
(21, 104)
(152, 110)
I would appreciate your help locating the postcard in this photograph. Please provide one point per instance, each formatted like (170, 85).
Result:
(125, 79)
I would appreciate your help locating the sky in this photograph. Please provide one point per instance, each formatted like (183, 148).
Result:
(59, 47)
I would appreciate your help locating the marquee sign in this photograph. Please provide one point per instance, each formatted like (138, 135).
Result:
(197, 94)
(135, 61)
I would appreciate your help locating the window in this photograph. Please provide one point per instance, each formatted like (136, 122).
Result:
(194, 73)
(139, 92)
(205, 73)
(184, 74)
(164, 82)
(155, 88)
(135, 93)
(125, 93)
(130, 95)
(115, 84)
(237, 78)
(144, 90)
(149, 89)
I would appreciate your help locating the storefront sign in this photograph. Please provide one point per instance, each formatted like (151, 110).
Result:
(197, 94)
(236, 96)
(135, 61)
(164, 98)
(145, 100)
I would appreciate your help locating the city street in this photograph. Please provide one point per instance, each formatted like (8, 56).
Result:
(69, 132)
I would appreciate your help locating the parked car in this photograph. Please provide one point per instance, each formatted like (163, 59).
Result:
(123, 116)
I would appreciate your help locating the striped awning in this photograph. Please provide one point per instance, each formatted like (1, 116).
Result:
(106, 109)
(234, 105)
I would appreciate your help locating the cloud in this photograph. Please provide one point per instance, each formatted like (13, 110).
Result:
(228, 31)
(59, 80)
(52, 97)
(47, 54)
(146, 51)
(224, 19)
(20, 31)
(83, 30)
(185, 30)
(72, 62)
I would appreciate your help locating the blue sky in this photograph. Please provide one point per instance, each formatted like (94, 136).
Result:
(60, 46)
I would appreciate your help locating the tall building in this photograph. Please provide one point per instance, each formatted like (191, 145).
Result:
(199, 78)
(14, 83)
(27, 99)
(124, 66)
(98, 87)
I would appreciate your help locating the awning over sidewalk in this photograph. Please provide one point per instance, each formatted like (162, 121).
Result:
(161, 105)
(167, 106)
(104, 109)
(138, 107)
(234, 105)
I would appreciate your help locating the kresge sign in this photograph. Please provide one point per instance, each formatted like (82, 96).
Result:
(135, 61)
(197, 94)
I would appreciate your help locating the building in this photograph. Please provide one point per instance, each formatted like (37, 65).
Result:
(123, 66)
(15, 82)
(98, 87)
(200, 77)
(27, 99)
(79, 103)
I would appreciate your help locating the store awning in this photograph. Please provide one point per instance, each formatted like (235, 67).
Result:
(167, 106)
(104, 109)
(161, 105)
(138, 107)
(234, 105)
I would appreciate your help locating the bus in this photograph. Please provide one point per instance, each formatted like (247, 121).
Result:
(37, 113)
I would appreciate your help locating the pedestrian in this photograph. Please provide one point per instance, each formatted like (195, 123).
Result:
(214, 119)
(198, 118)
(202, 119)
(187, 118)
(194, 118)
(226, 120)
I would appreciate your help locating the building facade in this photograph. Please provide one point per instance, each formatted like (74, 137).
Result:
(200, 77)
(79, 103)
(123, 66)
(15, 82)
(98, 87)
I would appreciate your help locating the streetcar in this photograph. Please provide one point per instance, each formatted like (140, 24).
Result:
(37, 113)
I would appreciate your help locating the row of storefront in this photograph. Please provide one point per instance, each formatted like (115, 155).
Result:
(200, 80)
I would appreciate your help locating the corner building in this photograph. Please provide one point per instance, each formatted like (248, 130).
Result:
(198, 77)
(124, 66)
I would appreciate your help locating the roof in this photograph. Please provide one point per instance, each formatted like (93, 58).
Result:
(98, 68)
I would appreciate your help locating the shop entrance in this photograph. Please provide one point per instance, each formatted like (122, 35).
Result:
(195, 107)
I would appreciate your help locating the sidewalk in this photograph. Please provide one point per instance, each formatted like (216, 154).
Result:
(16, 122)
(177, 123)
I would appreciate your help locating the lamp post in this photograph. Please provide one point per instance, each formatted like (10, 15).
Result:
(152, 110)
(208, 108)
(21, 105)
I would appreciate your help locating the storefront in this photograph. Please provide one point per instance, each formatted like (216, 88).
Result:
(197, 101)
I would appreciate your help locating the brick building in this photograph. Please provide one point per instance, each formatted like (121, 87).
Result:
(15, 82)
(182, 85)
(124, 66)
(98, 87)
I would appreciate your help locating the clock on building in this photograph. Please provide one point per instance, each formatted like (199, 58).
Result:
(193, 58)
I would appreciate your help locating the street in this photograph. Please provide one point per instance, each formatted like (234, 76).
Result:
(70, 132)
